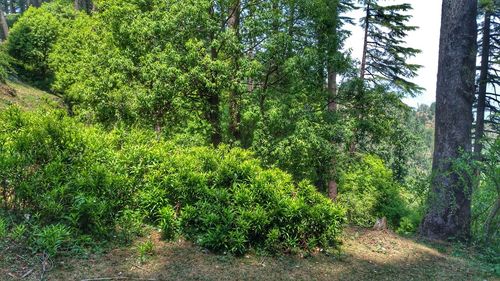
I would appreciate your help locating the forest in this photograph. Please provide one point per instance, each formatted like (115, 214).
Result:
(246, 140)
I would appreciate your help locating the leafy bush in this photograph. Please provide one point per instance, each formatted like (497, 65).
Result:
(32, 37)
(79, 180)
(368, 191)
(3, 228)
(5, 66)
(51, 238)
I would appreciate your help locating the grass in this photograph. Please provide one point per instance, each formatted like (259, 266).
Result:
(25, 96)
(366, 255)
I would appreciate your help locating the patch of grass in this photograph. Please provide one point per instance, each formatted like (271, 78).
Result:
(145, 249)
(26, 97)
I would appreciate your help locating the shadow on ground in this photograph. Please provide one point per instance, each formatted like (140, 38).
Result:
(367, 255)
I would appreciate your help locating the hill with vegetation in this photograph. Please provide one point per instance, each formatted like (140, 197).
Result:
(227, 139)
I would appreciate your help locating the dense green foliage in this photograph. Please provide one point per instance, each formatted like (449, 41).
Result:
(257, 82)
(74, 180)
(32, 37)
(5, 66)
(211, 120)
(369, 192)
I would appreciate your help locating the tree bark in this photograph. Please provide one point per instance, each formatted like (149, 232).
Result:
(5, 28)
(212, 112)
(449, 212)
(483, 82)
(234, 95)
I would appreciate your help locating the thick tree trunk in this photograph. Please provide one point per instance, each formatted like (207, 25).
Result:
(483, 82)
(234, 95)
(449, 213)
(5, 28)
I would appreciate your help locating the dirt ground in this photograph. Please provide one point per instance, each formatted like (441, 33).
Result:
(366, 255)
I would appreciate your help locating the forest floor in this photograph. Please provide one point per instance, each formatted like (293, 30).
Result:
(366, 255)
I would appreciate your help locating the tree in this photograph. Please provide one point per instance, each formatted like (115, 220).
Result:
(449, 210)
(4, 32)
(384, 58)
(234, 95)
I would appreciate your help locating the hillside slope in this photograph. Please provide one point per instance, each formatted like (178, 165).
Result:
(26, 96)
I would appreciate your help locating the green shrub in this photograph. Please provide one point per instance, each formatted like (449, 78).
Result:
(368, 191)
(32, 37)
(168, 222)
(3, 228)
(145, 249)
(5, 66)
(52, 238)
(18, 232)
(82, 181)
(12, 19)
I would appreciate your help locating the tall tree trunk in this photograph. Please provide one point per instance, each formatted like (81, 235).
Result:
(449, 213)
(5, 27)
(365, 41)
(332, 107)
(212, 112)
(483, 82)
(234, 95)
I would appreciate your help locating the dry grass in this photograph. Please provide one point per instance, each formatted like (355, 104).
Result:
(367, 255)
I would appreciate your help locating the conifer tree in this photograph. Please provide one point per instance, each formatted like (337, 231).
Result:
(385, 56)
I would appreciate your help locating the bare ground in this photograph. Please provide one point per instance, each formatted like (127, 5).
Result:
(366, 255)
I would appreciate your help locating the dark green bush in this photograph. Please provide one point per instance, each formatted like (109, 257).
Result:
(90, 182)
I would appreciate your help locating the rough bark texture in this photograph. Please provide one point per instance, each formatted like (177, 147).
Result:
(483, 82)
(449, 212)
(4, 32)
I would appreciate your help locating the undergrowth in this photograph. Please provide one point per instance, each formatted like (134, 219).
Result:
(64, 184)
